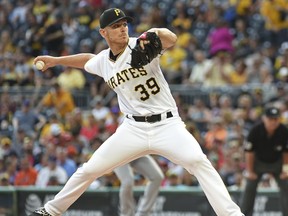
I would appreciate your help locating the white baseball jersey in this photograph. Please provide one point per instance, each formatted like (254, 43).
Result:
(145, 91)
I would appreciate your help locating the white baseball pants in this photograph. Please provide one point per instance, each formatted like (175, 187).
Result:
(132, 140)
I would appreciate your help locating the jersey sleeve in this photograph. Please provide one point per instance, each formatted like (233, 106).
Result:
(94, 65)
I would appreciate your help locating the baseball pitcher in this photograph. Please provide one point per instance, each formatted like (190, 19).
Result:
(130, 66)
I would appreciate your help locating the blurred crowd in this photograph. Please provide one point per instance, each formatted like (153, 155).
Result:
(220, 43)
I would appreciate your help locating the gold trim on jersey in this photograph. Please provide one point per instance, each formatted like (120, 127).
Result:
(118, 55)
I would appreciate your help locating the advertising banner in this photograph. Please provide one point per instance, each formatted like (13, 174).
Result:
(169, 202)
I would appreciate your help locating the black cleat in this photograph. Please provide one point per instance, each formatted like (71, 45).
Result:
(40, 211)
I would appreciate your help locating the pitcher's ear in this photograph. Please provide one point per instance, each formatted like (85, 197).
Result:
(102, 32)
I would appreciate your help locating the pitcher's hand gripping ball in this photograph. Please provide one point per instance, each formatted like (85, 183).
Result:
(141, 57)
(39, 65)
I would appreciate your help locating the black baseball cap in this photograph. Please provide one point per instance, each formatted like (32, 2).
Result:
(111, 16)
(272, 112)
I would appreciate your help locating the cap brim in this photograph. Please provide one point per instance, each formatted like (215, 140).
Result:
(129, 20)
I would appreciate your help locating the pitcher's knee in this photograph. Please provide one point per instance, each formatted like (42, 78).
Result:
(198, 158)
(92, 171)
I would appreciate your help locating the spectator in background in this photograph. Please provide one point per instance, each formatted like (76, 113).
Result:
(256, 60)
(266, 151)
(201, 27)
(49, 78)
(33, 29)
(275, 13)
(226, 108)
(189, 180)
(191, 127)
(66, 163)
(281, 63)
(30, 79)
(282, 74)
(29, 149)
(39, 9)
(74, 126)
(199, 68)
(282, 58)
(214, 140)
(279, 94)
(27, 175)
(113, 120)
(182, 17)
(266, 76)
(53, 35)
(18, 141)
(6, 42)
(90, 128)
(233, 167)
(245, 112)
(43, 162)
(185, 38)
(220, 38)
(144, 24)
(71, 79)
(27, 119)
(52, 174)
(172, 64)
(9, 76)
(6, 98)
(239, 76)
(51, 120)
(58, 100)
(10, 167)
(218, 75)
(5, 147)
(200, 114)
(83, 15)
(6, 203)
(157, 16)
(94, 144)
(71, 36)
(4, 180)
(6, 123)
(241, 39)
(243, 7)
(57, 137)
(99, 110)
(175, 181)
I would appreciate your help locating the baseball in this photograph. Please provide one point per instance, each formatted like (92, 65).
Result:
(39, 65)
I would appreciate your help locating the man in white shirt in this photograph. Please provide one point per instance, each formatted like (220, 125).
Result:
(51, 172)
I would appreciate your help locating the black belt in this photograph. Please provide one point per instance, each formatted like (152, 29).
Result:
(151, 118)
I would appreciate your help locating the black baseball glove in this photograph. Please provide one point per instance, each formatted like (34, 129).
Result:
(141, 57)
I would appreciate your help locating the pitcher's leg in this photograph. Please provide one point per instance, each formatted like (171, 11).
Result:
(214, 189)
(111, 154)
(181, 148)
(148, 167)
(74, 187)
(126, 197)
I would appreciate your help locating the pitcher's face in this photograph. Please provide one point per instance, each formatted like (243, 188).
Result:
(117, 33)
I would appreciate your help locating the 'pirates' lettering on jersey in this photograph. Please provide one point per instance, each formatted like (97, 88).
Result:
(140, 91)
(125, 75)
